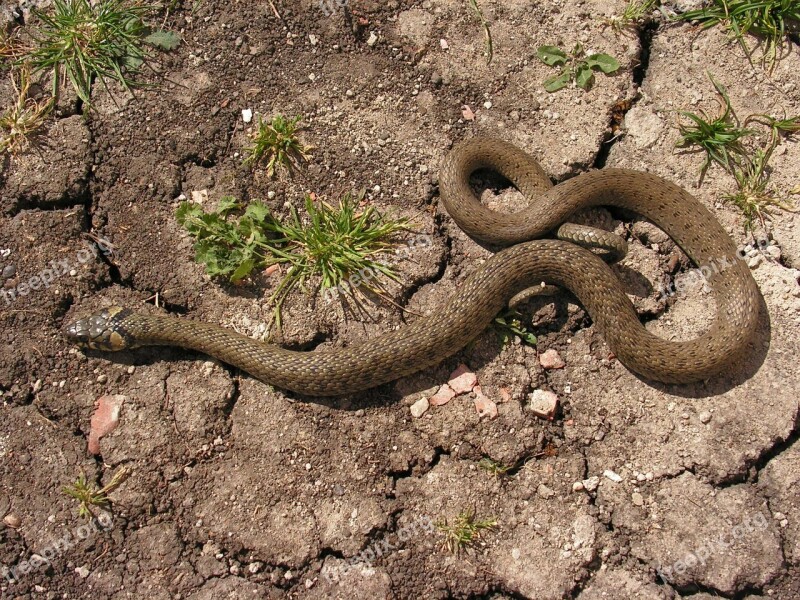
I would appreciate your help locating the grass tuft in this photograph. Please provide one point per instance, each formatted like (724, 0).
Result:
(769, 19)
(722, 141)
(633, 14)
(84, 41)
(493, 467)
(89, 496)
(720, 138)
(276, 142)
(21, 121)
(464, 531)
(333, 243)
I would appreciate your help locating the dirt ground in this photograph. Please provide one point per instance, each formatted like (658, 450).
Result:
(238, 490)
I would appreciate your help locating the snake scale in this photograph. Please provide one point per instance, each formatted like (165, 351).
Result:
(526, 261)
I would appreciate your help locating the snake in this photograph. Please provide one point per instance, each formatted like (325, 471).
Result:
(530, 254)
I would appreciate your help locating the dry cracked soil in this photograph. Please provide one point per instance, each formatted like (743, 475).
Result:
(239, 490)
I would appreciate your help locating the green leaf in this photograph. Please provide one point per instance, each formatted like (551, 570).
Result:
(584, 76)
(258, 212)
(555, 83)
(604, 62)
(243, 270)
(226, 204)
(551, 55)
(187, 215)
(166, 40)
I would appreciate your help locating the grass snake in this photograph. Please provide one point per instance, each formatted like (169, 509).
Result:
(524, 262)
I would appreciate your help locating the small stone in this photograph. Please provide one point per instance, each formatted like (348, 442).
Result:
(609, 474)
(544, 491)
(288, 576)
(104, 420)
(591, 484)
(102, 378)
(254, 567)
(82, 572)
(247, 115)
(12, 520)
(487, 105)
(704, 416)
(551, 359)
(755, 261)
(419, 407)
(443, 44)
(578, 486)
(9, 271)
(773, 252)
(442, 396)
(313, 39)
(543, 404)
(637, 499)
(484, 406)
(373, 39)
(462, 380)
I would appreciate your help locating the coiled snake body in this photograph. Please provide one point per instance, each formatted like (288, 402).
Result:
(524, 263)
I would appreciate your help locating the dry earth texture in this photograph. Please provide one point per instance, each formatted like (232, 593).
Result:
(239, 490)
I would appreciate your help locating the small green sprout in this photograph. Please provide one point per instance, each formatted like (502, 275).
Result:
(509, 324)
(575, 66)
(464, 531)
(89, 496)
(276, 142)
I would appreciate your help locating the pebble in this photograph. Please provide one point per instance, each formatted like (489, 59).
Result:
(637, 499)
(442, 396)
(591, 484)
(102, 378)
(484, 406)
(487, 105)
(462, 380)
(551, 359)
(609, 474)
(247, 115)
(9, 271)
(543, 404)
(544, 491)
(578, 486)
(420, 407)
(82, 572)
(773, 252)
(12, 520)
(373, 39)
(754, 261)
(704, 416)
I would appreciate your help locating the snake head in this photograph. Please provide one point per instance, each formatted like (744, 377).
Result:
(101, 330)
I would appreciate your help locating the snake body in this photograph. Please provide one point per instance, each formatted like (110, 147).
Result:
(525, 262)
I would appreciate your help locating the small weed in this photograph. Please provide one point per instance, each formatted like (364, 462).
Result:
(333, 244)
(10, 45)
(88, 40)
(576, 66)
(722, 141)
(633, 14)
(766, 18)
(473, 4)
(89, 496)
(276, 142)
(509, 324)
(495, 468)
(22, 120)
(720, 138)
(753, 197)
(464, 531)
